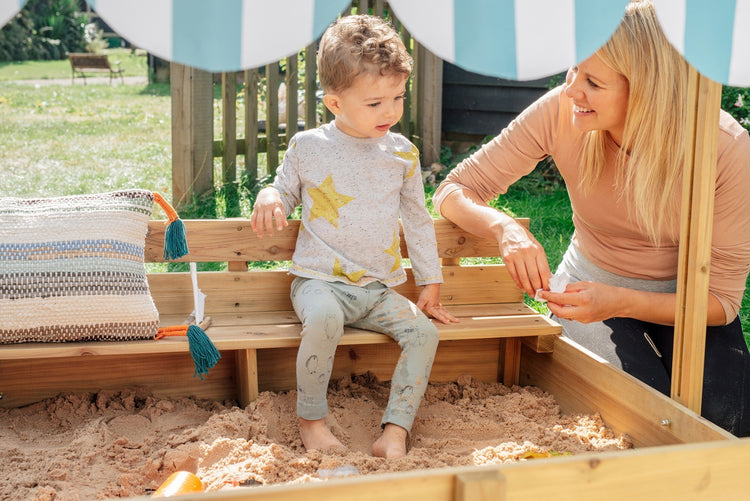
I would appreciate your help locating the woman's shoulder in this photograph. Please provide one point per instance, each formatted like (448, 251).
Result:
(731, 128)
(734, 141)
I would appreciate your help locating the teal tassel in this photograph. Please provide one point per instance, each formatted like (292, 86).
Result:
(204, 353)
(175, 241)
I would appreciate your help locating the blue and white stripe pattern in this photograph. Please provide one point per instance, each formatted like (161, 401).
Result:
(8, 9)
(514, 39)
(220, 35)
(713, 36)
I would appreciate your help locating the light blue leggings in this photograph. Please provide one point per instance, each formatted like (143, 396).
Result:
(325, 307)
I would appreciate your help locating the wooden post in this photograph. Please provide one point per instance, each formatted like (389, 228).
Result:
(251, 125)
(699, 180)
(272, 117)
(311, 98)
(405, 124)
(192, 133)
(430, 103)
(229, 140)
(292, 83)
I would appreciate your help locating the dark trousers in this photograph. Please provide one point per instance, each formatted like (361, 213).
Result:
(726, 375)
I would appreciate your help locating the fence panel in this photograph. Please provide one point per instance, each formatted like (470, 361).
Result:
(301, 108)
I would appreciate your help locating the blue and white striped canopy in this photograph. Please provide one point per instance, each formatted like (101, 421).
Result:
(515, 39)
(712, 35)
(220, 35)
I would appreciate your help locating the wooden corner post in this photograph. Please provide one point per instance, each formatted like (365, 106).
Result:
(696, 222)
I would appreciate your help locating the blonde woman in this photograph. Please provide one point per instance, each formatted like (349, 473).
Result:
(615, 130)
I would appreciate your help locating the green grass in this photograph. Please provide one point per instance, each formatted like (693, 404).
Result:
(63, 139)
(133, 64)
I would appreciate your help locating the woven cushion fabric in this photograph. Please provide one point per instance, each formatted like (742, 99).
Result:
(72, 268)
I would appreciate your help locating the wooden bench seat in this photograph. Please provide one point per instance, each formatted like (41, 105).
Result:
(257, 332)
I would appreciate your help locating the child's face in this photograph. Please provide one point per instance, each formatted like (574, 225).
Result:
(371, 106)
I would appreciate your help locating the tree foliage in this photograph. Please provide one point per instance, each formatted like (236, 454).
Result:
(44, 29)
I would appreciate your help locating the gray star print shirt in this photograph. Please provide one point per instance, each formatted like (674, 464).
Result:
(353, 192)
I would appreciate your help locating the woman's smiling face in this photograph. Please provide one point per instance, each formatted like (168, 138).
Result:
(600, 97)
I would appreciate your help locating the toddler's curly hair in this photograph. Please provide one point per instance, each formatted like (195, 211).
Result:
(359, 44)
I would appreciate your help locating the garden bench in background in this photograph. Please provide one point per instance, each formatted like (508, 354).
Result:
(84, 62)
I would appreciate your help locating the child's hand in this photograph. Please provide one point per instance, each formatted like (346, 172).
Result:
(268, 206)
(429, 302)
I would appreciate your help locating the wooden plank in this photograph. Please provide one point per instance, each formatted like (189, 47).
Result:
(480, 485)
(583, 382)
(192, 133)
(311, 98)
(165, 375)
(689, 472)
(696, 223)
(511, 361)
(406, 119)
(25, 381)
(252, 77)
(277, 329)
(247, 376)
(268, 290)
(431, 95)
(272, 116)
(229, 127)
(234, 240)
(292, 83)
(476, 357)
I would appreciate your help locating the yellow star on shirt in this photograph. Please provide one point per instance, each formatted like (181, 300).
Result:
(395, 251)
(412, 156)
(327, 201)
(338, 271)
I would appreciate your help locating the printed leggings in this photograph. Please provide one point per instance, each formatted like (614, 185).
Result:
(326, 307)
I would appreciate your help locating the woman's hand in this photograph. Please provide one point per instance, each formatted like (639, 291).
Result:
(524, 257)
(586, 302)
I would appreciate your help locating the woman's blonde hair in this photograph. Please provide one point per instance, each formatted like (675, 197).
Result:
(650, 161)
(358, 44)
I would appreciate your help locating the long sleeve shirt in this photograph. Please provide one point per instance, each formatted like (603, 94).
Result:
(605, 230)
(353, 192)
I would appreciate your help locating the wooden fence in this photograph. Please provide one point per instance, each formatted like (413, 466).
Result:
(194, 147)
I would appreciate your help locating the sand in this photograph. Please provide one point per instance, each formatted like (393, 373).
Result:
(121, 444)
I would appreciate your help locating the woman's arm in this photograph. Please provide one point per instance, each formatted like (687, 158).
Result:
(592, 302)
(522, 254)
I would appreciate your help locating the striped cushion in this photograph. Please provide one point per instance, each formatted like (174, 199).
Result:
(71, 268)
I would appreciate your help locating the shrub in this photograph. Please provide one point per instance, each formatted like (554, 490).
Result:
(44, 29)
(736, 101)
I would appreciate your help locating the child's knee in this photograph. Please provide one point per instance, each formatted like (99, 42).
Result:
(427, 336)
(324, 324)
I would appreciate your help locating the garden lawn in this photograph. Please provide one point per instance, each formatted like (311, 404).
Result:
(72, 139)
(133, 64)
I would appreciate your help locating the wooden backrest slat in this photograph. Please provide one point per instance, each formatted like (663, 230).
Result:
(233, 240)
(268, 290)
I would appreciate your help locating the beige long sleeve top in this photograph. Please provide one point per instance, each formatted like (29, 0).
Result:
(605, 231)
(353, 192)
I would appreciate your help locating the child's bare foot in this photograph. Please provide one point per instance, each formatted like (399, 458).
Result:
(392, 443)
(316, 435)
